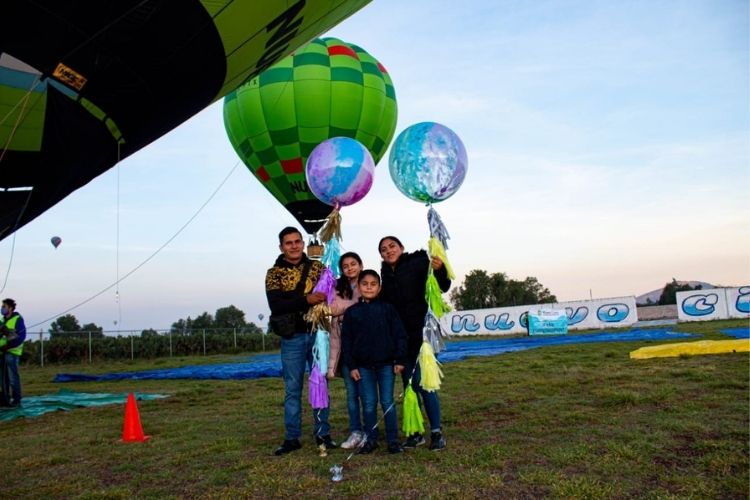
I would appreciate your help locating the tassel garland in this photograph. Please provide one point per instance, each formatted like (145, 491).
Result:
(331, 256)
(433, 333)
(318, 388)
(436, 249)
(412, 421)
(321, 348)
(326, 284)
(430, 368)
(332, 228)
(437, 228)
(434, 297)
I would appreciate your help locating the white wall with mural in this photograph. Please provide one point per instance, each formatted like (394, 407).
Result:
(714, 303)
(582, 314)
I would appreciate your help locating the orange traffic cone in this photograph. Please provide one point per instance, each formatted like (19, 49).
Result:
(132, 432)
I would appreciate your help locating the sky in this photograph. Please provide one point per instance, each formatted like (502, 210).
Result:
(608, 147)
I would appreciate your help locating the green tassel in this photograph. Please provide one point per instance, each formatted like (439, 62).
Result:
(430, 368)
(434, 297)
(436, 249)
(412, 422)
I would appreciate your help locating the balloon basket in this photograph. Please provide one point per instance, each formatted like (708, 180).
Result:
(315, 251)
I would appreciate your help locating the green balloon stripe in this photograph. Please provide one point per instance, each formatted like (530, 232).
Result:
(311, 58)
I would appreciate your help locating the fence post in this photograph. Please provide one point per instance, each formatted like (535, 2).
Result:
(235, 338)
(41, 349)
(170, 343)
(131, 348)
(89, 347)
(204, 341)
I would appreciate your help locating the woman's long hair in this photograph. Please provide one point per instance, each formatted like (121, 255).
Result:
(343, 287)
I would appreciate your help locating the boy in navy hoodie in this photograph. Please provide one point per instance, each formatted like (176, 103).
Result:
(373, 342)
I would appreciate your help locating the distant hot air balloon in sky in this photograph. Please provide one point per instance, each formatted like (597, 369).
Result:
(83, 85)
(260, 317)
(329, 88)
(55, 240)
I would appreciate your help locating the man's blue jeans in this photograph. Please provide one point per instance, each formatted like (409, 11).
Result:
(374, 382)
(430, 399)
(12, 384)
(352, 400)
(296, 354)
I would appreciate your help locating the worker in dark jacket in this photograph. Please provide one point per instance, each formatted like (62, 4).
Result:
(404, 280)
(374, 348)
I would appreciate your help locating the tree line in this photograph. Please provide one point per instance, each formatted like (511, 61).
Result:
(225, 318)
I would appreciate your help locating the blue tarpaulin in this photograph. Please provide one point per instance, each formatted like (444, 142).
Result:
(269, 365)
(742, 332)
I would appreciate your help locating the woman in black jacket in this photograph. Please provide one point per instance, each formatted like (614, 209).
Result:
(404, 276)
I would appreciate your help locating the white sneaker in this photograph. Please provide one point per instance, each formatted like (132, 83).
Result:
(354, 439)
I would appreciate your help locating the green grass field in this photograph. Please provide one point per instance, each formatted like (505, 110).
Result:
(577, 421)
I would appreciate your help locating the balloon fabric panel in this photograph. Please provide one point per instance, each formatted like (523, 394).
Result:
(326, 89)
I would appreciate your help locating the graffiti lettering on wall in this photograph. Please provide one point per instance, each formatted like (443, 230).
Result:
(743, 300)
(516, 319)
(700, 304)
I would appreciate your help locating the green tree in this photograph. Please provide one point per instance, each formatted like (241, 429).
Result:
(229, 317)
(67, 323)
(669, 294)
(182, 326)
(149, 332)
(205, 320)
(481, 290)
(96, 330)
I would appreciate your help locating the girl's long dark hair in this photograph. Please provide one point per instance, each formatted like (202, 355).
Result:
(343, 287)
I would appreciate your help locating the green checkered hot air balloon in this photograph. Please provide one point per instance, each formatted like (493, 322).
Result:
(326, 89)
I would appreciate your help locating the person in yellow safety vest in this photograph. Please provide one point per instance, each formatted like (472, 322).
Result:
(12, 336)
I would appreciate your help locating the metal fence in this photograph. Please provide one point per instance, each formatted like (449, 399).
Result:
(87, 346)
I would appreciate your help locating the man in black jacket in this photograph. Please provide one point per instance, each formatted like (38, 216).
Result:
(286, 294)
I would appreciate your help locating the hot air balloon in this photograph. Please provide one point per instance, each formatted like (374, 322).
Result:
(260, 317)
(327, 89)
(85, 84)
(55, 240)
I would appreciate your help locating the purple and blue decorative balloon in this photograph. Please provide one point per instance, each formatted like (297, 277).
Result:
(428, 162)
(339, 171)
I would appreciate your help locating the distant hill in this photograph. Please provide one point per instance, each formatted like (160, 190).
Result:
(654, 295)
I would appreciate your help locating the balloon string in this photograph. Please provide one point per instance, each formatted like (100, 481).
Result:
(200, 209)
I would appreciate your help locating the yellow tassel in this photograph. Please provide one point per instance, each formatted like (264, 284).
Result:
(434, 296)
(412, 422)
(430, 368)
(436, 249)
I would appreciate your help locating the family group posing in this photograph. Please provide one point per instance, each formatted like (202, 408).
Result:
(376, 334)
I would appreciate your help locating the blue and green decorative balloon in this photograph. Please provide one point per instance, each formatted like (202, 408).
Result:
(428, 162)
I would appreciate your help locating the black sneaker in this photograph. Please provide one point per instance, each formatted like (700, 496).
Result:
(437, 441)
(367, 448)
(288, 446)
(395, 447)
(326, 440)
(413, 441)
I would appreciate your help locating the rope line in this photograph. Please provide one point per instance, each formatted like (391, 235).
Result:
(136, 268)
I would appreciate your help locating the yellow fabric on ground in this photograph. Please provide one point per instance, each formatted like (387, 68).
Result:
(691, 348)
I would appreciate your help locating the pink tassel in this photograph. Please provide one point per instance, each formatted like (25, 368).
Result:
(318, 386)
